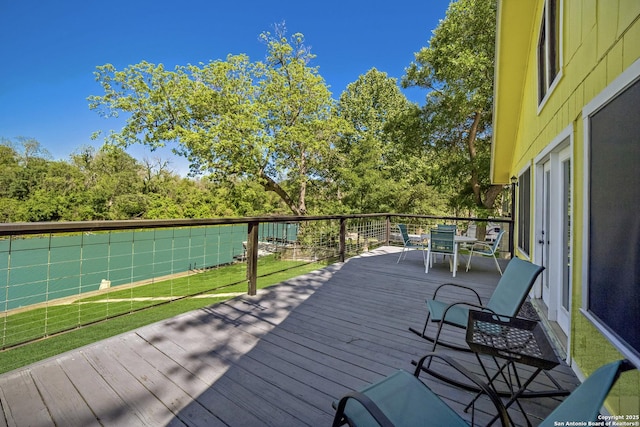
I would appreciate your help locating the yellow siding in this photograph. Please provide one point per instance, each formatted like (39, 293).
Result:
(607, 18)
(588, 13)
(573, 28)
(628, 11)
(601, 38)
(615, 65)
(630, 44)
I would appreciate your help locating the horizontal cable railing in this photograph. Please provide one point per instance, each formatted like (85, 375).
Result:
(56, 277)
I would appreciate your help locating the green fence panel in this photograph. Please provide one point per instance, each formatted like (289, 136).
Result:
(37, 269)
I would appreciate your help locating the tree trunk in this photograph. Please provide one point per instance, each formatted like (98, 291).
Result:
(471, 145)
(302, 205)
(491, 194)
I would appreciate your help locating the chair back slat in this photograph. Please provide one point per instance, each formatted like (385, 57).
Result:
(404, 232)
(441, 241)
(513, 287)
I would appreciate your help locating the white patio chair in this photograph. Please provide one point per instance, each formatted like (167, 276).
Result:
(487, 250)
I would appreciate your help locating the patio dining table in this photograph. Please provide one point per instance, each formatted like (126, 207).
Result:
(457, 240)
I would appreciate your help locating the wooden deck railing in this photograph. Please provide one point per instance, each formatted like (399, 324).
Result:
(318, 237)
(31, 228)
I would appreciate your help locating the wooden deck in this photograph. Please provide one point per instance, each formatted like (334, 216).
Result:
(279, 358)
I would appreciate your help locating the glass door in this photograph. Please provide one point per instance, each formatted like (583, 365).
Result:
(545, 232)
(565, 286)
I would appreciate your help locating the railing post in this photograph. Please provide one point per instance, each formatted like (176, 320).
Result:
(252, 257)
(343, 233)
(388, 230)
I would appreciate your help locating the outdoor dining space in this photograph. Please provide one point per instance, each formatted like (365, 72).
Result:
(282, 358)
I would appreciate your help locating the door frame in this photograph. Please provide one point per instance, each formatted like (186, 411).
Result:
(554, 155)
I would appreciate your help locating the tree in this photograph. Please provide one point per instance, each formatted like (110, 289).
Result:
(9, 166)
(270, 122)
(457, 69)
(375, 171)
(367, 153)
(112, 175)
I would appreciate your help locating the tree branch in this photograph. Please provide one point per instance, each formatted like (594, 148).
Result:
(270, 185)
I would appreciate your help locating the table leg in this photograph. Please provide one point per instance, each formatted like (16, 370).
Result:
(514, 398)
(517, 389)
(491, 379)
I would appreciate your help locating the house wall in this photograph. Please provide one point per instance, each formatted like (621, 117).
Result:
(600, 39)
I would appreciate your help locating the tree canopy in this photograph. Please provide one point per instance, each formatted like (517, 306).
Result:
(376, 171)
(109, 184)
(272, 122)
(267, 137)
(457, 68)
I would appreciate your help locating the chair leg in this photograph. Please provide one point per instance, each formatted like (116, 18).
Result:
(455, 262)
(435, 340)
(497, 264)
(469, 261)
(426, 323)
(427, 262)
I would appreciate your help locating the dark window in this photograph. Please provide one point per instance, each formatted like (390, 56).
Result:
(548, 48)
(614, 223)
(524, 211)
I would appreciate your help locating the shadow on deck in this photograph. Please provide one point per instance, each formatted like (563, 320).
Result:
(279, 358)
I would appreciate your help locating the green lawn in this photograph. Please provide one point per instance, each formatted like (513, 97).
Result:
(58, 328)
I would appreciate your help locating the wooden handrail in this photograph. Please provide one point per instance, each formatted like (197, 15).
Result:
(253, 223)
(25, 228)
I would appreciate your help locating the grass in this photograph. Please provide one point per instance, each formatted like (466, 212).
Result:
(57, 329)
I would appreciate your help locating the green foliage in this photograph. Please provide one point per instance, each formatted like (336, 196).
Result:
(267, 137)
(109, 184)
(239, 120)
(376, 168)
(458, 68)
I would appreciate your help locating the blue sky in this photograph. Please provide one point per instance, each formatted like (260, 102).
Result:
(50, 49)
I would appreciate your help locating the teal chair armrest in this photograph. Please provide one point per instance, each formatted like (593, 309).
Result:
(368, 404)
(456, 285)
(404, 400)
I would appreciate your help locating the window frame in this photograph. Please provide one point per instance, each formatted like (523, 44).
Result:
(549, 50)
(524, 211)
(623, 82)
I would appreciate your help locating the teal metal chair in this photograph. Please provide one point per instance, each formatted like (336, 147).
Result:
(403, 400)
(487, 250)
(447, 227)
(506, 300)
(408, 243)
(584, 402)
(441, 241)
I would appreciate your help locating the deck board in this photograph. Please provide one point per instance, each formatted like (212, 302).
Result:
(279, 358)
(101, 398)
(65, 405)
(21, 401)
